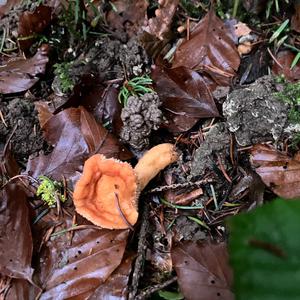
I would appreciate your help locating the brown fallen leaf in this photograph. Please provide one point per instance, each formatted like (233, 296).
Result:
(16, 239)
(20, 74)
(161, 23)
(211, 49)
(277, 170)
(203, 271)
(285, 59)
(129, 17)
(116, 286)
(74, 264)
(75, 135)
(99, 100)
(185, 97)
(295, 21)
(32, 23)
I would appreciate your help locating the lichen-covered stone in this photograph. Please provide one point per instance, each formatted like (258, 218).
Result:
(140, 116)
(216, 143)
(254, 114)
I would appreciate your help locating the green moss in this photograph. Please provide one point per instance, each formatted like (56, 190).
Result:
(49, 190)
(66, 82)
(291, 95)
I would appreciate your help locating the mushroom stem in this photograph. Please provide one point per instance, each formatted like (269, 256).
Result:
(153, 161)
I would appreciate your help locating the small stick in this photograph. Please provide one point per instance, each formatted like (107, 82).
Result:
(223, 169)
(141, 253)
(121, 212)
(274, 58)
(149, 291)
(2, 119)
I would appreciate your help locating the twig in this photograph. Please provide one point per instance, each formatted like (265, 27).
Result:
(141, 253)
(179, 185)
(149, 291)
(274, 58)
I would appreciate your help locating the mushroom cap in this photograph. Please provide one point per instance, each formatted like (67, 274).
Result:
(106, 193)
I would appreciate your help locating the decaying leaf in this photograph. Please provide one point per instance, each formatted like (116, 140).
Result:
(185, 97)
(32, 23)
(129, 17)
(16, 240)
(116, 286)
(277, 170)
(203, 271)
(20, 75)
(295, 22)
(75, 135)
(210, 49)
(76, 264)
(285, 59)
(160, 24)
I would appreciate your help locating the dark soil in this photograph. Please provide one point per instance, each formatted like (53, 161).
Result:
(21, 122)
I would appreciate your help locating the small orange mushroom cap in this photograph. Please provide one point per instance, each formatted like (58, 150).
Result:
(106, 193)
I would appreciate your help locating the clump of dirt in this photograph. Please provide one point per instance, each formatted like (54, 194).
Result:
(110, 59)
(215, 146)
(188, 230)
(27, 138)
(140, 116)
(254, 114)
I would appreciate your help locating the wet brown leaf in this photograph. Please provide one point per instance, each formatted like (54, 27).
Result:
(44, 112)
(285, 59)
(295, 21)
(32, 23)
(160, 24)
(277, 170)
(75, 135)
(19, 75)
(116, 286)
(210, 49)
(15, 233)
(76, 264)
(185, 97)
(5, 8)
(130, 16)
(8, 165)
(203, 271)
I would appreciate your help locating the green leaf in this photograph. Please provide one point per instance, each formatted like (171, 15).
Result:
(170, 295)
(264, 249)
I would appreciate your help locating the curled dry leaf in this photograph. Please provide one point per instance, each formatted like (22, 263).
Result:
(75, 135)
(20, 74)
(16, 239)
(32, 23)
(160, 24)
(277, 170)
(185, 97)
(203, 271)
(285, 59)
(210, 49)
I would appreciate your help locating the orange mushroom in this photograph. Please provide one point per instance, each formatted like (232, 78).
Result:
(107, 192)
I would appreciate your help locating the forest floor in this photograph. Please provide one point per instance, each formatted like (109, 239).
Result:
(213, 86)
